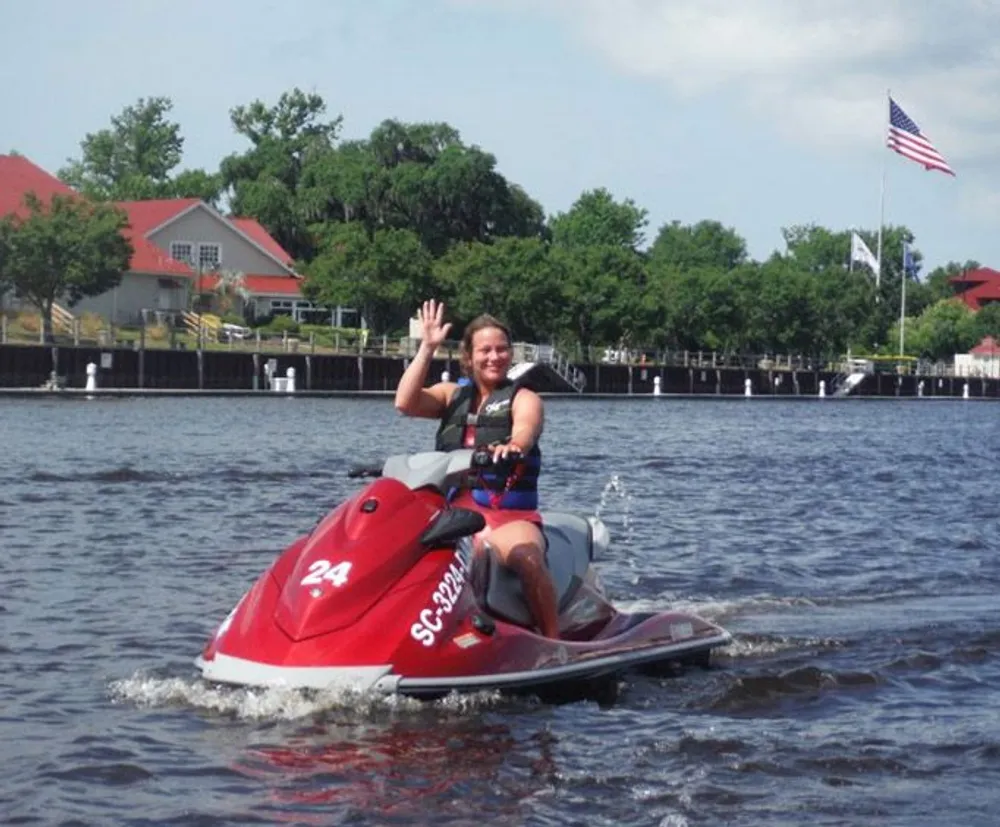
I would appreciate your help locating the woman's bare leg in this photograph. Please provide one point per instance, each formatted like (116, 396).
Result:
(521, 547)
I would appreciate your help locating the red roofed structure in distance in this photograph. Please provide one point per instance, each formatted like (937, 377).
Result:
(180, 247)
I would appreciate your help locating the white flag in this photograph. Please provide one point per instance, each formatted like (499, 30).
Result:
(861, 253)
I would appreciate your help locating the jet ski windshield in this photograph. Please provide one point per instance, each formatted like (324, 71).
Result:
(441, 470)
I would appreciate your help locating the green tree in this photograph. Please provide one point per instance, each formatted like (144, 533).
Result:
(602, 294)
(597, 219)
(264, 181)
(987, 321)
(6, 283)
(694, 308)
(779, 308)
(720, 311)
(669, 305)
(135, 158)
(804, 302)
(384, 275)
(66, 250)
(695, 299)
(196, 183)
(705, 244)
(825, 253)
(514, 279)
(342, 185)
(945, 328)
(816, 249)
(843, 312)
(418, 177)
(422, 177)
(461, 197)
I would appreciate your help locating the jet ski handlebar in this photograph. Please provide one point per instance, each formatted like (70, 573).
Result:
(483, 458)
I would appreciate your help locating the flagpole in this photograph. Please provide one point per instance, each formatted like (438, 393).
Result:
(902, 304)
(881, 213)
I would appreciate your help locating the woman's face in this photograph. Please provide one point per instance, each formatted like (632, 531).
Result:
(491, 355)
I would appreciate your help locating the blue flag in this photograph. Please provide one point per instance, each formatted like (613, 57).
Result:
(909, 265)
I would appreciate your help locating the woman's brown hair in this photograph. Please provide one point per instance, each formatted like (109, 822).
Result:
(481, 322)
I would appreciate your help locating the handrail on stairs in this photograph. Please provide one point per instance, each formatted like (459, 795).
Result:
(841, 384)
(549, 355)
(837, 383)
(62, 318)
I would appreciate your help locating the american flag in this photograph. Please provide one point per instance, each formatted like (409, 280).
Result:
(906, 138)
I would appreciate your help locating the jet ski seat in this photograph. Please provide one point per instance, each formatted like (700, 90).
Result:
(568, 554)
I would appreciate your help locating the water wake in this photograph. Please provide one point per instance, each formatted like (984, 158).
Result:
(279, 703)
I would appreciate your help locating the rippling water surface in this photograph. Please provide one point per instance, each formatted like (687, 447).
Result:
(851, 548)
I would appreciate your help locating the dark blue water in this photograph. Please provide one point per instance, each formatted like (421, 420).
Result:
(851, 548)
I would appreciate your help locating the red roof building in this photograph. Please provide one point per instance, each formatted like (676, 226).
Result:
(982, 360)
(148, 218)
(18, 176)
(987, 347)
(183, 242)
(254, 230)
(977, 287)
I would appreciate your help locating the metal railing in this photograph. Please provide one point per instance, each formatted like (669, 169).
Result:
(160, 333)
(566, 370)
(843, 384)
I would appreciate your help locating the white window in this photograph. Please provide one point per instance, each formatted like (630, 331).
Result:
(182, 251)
(209, 256)
(280, 307)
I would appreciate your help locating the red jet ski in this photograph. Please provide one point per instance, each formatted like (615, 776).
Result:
(386, 595)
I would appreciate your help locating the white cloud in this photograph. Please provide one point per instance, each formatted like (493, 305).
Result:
(818, 69)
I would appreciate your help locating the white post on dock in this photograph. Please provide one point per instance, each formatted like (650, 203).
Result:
(822, 388)
(290, 380)
(747, 388)
(656, 385)
(91, 376)
(965, 391)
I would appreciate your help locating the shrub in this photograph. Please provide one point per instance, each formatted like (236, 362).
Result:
(29, 321)
(91, 325)
(281, 324)
(157, 332)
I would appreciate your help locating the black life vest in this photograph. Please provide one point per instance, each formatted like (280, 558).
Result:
(493, 424)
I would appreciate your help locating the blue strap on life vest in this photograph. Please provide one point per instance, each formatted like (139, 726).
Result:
(518, 500)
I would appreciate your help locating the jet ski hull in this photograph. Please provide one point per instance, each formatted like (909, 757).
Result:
(386, 596)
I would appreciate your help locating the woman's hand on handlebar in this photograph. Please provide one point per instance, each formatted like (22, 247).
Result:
(506, 452)
(496, 454)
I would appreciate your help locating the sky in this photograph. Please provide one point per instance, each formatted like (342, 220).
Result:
(760, 114)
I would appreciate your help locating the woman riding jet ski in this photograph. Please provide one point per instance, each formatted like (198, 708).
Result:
(488, 409)
(441, 575)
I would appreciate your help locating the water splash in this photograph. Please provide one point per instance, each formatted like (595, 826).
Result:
(279, 703)
(614, 496)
